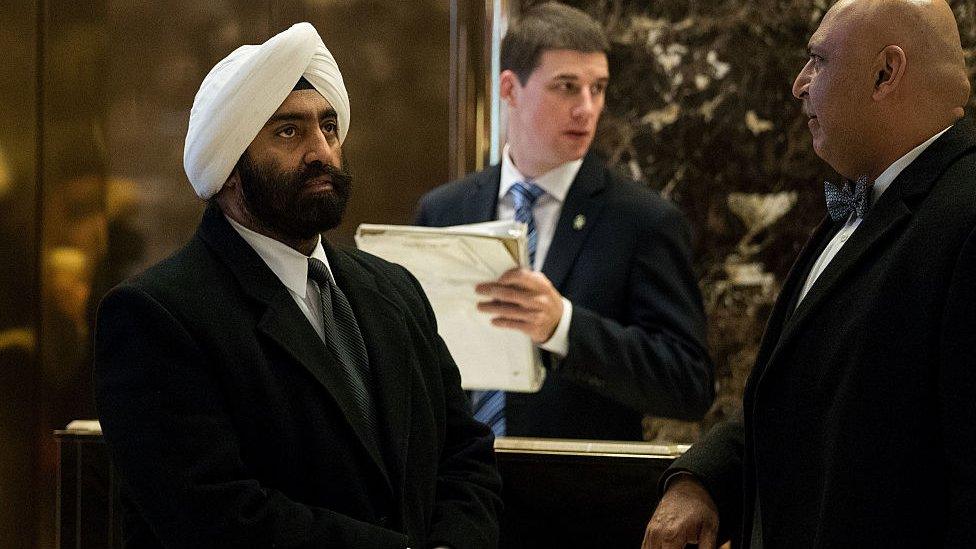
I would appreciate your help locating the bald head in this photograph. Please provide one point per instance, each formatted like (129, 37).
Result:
(926, 31)
(886, 75)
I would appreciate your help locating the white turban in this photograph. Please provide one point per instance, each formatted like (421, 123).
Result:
(241, 93)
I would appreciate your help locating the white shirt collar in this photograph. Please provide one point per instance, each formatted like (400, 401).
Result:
(885, 179)
(555, 182)
(288, 264)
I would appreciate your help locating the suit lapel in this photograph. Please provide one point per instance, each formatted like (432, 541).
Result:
(799, 273)
(883, 222)
(383, 331)
(297, 337)
(283, 322)
(789, 293)
(481, 204)
(579, 214)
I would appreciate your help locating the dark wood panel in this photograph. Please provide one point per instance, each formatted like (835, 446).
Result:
(580, 501)
(87, 503)
(552, 499)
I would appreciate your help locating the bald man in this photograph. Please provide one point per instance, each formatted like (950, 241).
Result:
(859, 425)
(262, 388)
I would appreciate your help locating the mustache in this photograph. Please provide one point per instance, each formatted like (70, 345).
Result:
(341, 179)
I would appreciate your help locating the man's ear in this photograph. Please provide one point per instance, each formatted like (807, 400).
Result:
(509, 87)
(228, 197)
(234, 179)
(889, 71)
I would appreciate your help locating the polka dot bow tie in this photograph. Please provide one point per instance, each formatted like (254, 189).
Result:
(842, 201)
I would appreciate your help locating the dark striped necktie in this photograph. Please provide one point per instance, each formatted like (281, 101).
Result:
(344, 339)
(489, 406)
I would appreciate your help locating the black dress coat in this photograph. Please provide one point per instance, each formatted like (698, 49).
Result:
(860, 414)
(229, 424)
(637, 335)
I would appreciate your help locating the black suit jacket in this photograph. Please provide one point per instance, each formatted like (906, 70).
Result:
(229, 424)
(637, 335)
(860, 414)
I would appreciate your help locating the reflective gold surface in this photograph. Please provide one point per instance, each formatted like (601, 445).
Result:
(395, 61)
(18, 274)
(95, 98)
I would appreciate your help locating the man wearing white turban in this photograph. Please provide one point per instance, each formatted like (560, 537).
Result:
(262, 388)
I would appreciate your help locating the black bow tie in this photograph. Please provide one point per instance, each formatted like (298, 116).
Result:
(841, 202)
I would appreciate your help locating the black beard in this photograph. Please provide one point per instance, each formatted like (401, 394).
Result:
(276, 200)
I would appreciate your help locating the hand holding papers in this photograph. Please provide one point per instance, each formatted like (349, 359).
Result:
(449, 262)
(523, 300)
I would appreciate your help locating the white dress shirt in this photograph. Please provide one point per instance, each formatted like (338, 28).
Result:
(545, 214)
(880, 185)
(291, 267)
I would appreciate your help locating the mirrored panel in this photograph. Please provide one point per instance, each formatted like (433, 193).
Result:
(395, 59)
(18, 276)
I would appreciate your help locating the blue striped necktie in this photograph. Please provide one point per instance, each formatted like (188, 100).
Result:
(489, 406)
(343, 337)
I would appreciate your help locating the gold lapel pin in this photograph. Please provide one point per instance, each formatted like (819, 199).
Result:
(579, 221)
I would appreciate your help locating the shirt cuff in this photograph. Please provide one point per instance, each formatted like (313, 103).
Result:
(558, 344)
(674, 476)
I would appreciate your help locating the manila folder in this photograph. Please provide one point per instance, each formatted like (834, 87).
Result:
(449, 262)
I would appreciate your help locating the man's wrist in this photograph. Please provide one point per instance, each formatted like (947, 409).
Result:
(558, 342)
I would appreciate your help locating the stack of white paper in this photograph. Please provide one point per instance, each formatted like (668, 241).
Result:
(449, 262)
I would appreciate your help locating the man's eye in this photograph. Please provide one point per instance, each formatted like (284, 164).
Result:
(815, 58)
(598, 89)
(568, 87)
(287, 132)
(330, 127)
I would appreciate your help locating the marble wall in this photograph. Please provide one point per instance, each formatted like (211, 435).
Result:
(700, 108)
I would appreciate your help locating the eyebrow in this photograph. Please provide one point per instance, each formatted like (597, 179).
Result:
(299, 116)
(576, 77)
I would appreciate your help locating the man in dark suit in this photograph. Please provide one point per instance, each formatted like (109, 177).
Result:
(261, 388)
(612, 300)
(859, 414)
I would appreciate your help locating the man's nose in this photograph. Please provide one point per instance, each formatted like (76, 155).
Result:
(586, 106)
(802, 82)
(321, 149)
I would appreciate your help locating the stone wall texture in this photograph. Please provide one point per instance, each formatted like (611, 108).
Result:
(700, 108)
